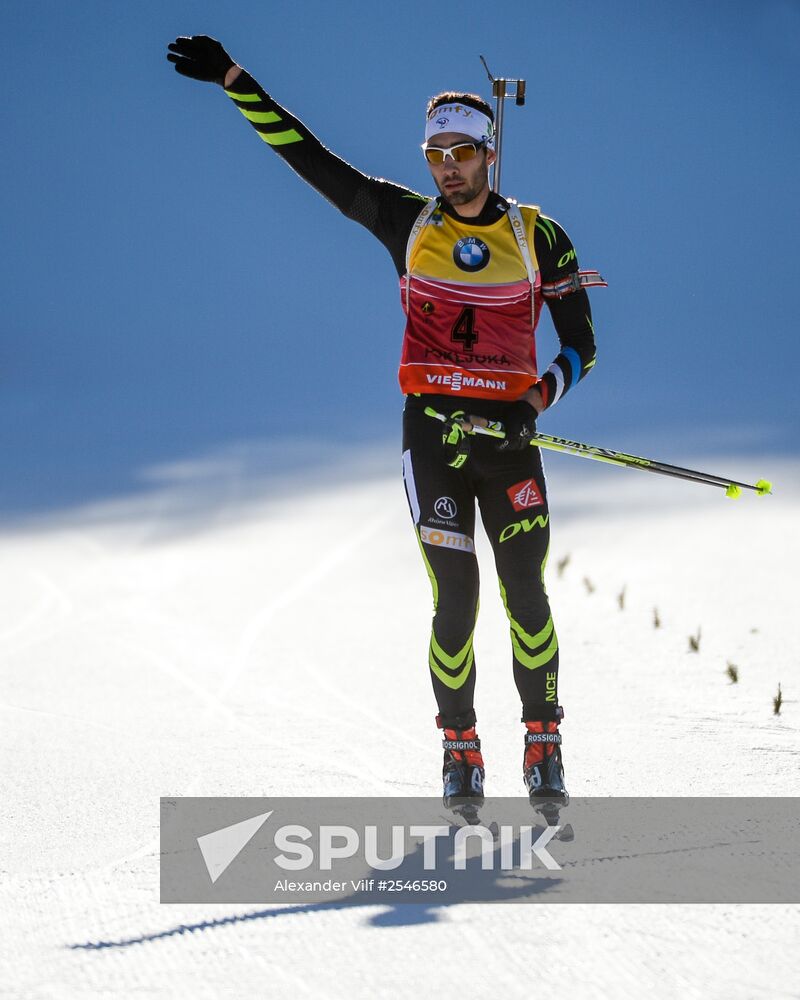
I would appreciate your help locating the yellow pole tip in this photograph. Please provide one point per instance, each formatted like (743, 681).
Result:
(763, 487)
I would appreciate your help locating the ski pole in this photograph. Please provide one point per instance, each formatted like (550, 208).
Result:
(499, 92)
(493, 428)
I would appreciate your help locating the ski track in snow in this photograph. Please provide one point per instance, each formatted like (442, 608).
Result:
(249, 648)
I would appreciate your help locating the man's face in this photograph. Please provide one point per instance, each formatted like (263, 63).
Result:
(460, 183)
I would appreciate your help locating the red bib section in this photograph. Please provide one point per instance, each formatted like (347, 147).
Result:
(470, 320)
(470, 339)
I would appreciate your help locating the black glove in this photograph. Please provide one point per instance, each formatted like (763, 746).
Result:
(520, 424)
(200, 57)
(455, 440)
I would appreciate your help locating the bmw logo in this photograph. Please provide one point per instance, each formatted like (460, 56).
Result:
(471, 254)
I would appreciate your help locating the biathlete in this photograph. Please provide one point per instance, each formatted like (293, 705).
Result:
(474, 269)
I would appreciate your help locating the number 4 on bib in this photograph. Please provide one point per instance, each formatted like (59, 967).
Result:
(464, 329)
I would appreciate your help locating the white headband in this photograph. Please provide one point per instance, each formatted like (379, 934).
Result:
(460, 118)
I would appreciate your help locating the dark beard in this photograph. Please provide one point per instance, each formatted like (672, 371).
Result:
(467, 194)
(463, 196)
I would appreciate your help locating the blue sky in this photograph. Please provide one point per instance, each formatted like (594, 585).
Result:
(171, 288)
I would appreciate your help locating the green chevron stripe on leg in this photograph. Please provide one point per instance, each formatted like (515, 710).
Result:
(452, 671)
(531, 651)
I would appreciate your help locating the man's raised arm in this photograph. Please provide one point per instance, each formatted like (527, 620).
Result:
(367, 200)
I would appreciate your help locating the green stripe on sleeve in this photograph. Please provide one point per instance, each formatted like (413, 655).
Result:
(281, 138)
(543, 228)
(251, 98)
(262, 117)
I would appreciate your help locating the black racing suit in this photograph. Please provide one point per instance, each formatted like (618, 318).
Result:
(508, 486)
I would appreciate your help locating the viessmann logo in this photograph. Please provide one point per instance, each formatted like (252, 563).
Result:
(461, 380)
(301, 848)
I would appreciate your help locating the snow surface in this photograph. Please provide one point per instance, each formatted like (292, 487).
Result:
(230, 632)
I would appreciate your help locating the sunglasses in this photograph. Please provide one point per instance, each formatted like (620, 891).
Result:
(461, 152)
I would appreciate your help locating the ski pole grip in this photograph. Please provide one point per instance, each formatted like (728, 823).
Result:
(492, 428)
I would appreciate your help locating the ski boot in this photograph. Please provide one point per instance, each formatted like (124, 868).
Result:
(542, 768)
(462, 772)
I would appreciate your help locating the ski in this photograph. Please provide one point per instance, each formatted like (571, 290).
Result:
(551, 813)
